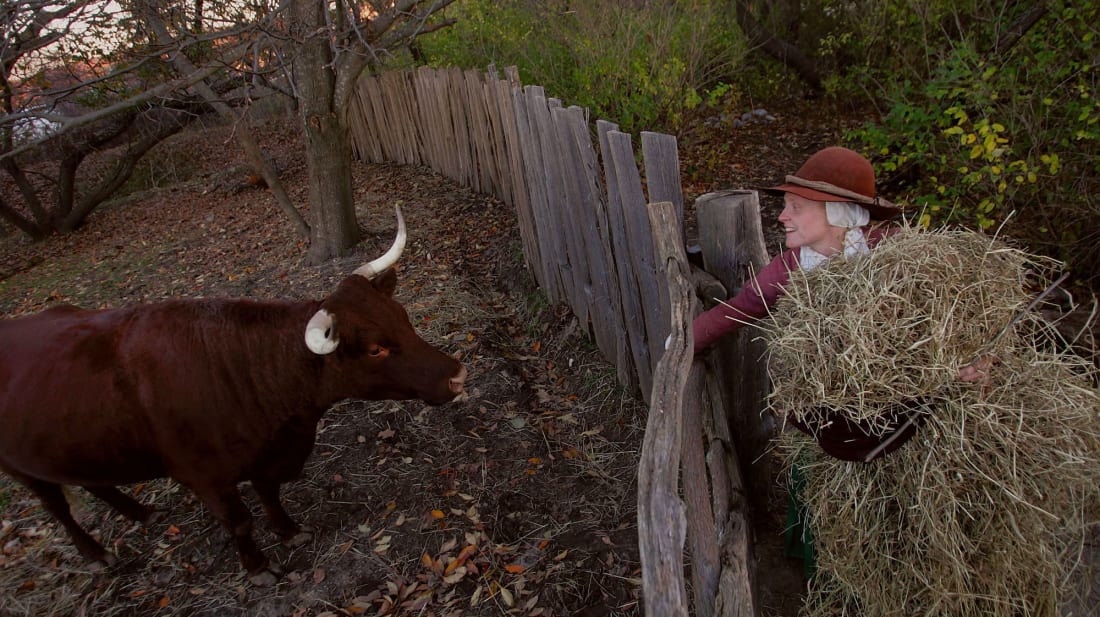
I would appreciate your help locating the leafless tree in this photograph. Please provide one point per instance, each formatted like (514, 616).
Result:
(314, 50)
(48, 108)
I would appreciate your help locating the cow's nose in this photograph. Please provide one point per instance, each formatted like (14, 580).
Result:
(458, 380)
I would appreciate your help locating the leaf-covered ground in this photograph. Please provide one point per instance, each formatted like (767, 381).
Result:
(519, 500)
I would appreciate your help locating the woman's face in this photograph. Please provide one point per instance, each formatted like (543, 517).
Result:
(806, 224)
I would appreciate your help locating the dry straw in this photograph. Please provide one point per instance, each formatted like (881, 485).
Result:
(983, 512)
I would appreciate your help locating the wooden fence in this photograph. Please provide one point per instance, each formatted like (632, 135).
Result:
(585, 225)
(586, 240)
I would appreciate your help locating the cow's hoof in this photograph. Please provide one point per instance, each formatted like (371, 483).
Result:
(100, 564)
(154, 516)
(298, 538)
(268, 576)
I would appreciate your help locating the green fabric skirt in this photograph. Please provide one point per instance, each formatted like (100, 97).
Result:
(798, 538)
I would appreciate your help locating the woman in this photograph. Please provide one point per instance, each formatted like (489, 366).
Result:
(830, 207)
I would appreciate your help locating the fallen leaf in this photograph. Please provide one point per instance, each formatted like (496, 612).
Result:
(318, 575)
(164, 601)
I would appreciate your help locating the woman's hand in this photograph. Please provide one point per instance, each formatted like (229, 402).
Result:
(978, 370)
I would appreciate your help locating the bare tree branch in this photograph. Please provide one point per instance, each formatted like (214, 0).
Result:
(244, 135)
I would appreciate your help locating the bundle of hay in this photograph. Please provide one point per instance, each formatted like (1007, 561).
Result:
(983, 511)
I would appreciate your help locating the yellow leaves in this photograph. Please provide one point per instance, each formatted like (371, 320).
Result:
(1052, 161)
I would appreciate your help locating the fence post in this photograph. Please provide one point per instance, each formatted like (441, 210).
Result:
(716, 521)
(732, 240)
(661, 514)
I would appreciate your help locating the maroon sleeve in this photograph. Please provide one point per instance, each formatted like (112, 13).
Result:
(754, 301)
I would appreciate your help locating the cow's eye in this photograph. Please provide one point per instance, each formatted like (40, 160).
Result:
(377, 351)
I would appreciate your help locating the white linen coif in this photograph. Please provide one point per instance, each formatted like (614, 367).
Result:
(840, 214)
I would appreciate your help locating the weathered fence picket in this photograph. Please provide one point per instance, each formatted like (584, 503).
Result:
(662, 519)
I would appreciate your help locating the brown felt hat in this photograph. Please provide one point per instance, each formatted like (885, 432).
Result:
(839, 174)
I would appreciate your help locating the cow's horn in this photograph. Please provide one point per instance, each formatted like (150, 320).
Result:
(378, 266)
(321, 333)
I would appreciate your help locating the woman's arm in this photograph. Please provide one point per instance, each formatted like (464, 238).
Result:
(754, 300)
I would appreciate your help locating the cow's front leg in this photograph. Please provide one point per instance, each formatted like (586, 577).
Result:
(291, 532)
(225, 504)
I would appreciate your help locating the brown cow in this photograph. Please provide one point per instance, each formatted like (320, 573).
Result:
(209, 392)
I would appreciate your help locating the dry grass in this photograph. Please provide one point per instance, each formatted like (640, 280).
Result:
(984, 512)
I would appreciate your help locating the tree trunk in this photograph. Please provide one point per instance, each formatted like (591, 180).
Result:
(776, 47)
(121, 170)
(20, 222)
(334, 229)
(1018, 29)
(42, 223)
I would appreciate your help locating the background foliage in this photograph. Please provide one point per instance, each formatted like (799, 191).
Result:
(982, 127)
(982, 121)
(640, 64)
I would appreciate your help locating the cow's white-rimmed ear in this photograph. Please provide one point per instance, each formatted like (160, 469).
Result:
(321, 337)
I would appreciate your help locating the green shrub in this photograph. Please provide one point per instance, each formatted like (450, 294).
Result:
(641, 67)
(997, 136)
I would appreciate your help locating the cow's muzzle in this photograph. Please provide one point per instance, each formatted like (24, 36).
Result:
(457, 382)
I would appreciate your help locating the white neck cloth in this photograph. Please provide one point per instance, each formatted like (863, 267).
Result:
(840, 214)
